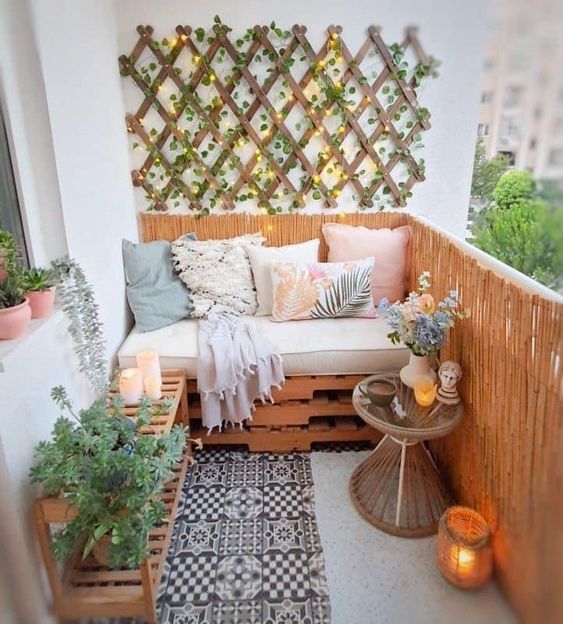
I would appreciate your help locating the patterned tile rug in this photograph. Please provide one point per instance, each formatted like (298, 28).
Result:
(246, 547)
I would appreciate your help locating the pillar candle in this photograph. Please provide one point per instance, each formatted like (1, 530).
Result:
(149, 364)
(153, 388)
(131, 385)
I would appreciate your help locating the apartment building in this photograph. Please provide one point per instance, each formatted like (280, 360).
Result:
(521, 113)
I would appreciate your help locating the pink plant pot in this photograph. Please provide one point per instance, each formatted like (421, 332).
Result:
(41, 302)
(13, 321)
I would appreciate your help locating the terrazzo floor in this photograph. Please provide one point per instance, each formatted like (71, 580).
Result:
(375, 578)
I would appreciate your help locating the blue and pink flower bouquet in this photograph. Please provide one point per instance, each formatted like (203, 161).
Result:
(420, 323)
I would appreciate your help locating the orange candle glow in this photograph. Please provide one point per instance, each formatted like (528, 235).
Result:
(425, 392)
(464, 548)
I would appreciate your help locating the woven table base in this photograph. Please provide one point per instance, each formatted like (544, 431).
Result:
(374, 488)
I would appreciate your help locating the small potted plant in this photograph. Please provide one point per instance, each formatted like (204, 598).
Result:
(422, 325)
(14, 309)
(8, 254)
(100, 464)
(39, 287)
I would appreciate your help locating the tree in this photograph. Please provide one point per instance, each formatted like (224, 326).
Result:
(527, 236)
(513, 187)
(486, 173)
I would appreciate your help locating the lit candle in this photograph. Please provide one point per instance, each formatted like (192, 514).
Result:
(464, 548)
(131, 385)
(425, 392)
(153, 388)
(465, 558)
(149, 364)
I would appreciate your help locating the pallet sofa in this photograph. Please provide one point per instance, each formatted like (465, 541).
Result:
(323, 359)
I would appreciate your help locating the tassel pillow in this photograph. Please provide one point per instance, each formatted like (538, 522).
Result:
(217, 273)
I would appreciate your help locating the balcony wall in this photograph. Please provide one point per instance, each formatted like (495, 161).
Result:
(505, 459)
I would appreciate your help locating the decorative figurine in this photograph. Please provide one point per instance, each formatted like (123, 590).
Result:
(449, 374)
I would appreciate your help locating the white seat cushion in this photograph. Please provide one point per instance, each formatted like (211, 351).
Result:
(317, 347)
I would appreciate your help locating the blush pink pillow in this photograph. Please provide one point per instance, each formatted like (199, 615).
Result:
(389, 248)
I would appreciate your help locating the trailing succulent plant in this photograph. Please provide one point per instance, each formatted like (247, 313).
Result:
(98, 462)
(11, 293)
(37, 279)
(79, 304)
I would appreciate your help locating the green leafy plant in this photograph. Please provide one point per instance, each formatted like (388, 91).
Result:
(486, 173)
(100, 464)
(37, 279)
(79, 304)
(527, 236)
(513, 187)
(11, 293)
(8, 252)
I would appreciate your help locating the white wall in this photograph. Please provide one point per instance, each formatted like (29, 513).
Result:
(44, 358)
(451, 31)
(78, 53)
(62, 100)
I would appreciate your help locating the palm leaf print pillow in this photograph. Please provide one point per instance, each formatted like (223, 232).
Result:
(322, 290)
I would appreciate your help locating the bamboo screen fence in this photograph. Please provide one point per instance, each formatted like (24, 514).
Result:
(264, 117)
(505, 460)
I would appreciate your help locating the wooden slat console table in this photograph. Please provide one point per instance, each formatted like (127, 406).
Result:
(86, 589)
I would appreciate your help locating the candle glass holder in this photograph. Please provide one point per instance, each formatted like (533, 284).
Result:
(465, 555)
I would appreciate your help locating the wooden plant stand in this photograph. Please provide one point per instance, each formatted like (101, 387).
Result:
(397, 488)
(87, 589)
(307, 409)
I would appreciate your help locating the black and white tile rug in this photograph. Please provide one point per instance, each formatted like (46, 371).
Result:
(246, 547)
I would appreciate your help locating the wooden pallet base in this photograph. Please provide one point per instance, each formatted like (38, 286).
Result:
(307, 410)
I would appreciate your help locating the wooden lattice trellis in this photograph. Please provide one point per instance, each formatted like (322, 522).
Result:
(225, 113)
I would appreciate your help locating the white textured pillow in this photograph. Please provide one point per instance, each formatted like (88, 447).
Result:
(217, 273)
(261, 259)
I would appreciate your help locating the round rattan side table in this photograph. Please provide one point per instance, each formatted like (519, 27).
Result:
(397, 488)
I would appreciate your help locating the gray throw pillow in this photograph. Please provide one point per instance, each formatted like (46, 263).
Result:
(157, 296)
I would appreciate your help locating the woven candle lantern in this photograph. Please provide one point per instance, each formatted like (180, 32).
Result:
(465, 556)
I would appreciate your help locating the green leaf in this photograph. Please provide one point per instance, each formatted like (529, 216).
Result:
(348, 295)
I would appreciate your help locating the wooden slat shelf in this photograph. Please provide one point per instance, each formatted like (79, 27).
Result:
(86, 589)
(173, 389)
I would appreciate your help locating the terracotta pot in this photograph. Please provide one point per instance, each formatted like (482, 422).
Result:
(101, 550)
(14, 321)
(418, 368)
(41, 302)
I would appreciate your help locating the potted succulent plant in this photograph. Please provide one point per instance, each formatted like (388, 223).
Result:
(39, 287)
(100, 464)
(14, 309)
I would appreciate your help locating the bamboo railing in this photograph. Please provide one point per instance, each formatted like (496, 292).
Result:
(506, 459)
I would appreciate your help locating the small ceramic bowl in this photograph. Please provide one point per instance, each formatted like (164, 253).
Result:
(379, 390)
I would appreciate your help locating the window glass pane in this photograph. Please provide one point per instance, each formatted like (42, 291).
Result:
(10, 216)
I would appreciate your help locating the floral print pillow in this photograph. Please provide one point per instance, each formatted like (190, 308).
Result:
(322, 290)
